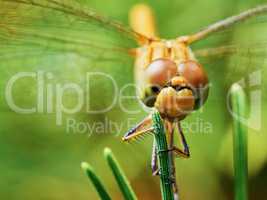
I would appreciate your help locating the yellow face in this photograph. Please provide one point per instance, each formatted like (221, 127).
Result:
(173, 103)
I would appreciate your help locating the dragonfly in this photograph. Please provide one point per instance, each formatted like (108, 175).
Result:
(167, 72)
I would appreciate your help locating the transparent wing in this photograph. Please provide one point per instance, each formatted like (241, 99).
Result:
(235, 61)
(245, 40)
(228, 22)
(61, 26)
(236, 54)
(258, 49)
(65, 40)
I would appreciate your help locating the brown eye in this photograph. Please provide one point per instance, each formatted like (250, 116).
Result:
(194, 73)
(160, 71)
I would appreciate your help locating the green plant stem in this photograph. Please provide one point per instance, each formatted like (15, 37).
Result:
(121, 179)
(163, 155)
(96, 181)
(239, 142)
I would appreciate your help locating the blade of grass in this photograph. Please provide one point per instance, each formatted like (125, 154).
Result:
(96, 181)
(163, 155)
(240, 142)
(121, 179)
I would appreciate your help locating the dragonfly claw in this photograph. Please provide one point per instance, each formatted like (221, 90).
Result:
(155, 172)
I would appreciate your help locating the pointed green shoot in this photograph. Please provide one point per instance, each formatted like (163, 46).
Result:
(240, 142)
(95, 181)
(121, 179)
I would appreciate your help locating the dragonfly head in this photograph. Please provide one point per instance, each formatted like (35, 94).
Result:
(175, 89)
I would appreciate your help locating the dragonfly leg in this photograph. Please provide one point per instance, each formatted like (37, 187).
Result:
(172, 167)
(154, 160)
(141, 129)
(180, 152)
(185, 153)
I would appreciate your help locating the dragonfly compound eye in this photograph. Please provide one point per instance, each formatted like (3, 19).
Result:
(197, 79)
(160, 71)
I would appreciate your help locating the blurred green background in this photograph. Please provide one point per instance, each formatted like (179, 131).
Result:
(40, 160)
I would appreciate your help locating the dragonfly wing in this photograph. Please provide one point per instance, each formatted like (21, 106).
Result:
(245, 41)
(62, 26)
(255, 49)
(68, 40)
(250, 34)
(234, 63)
(228, 22)
(236, 55)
